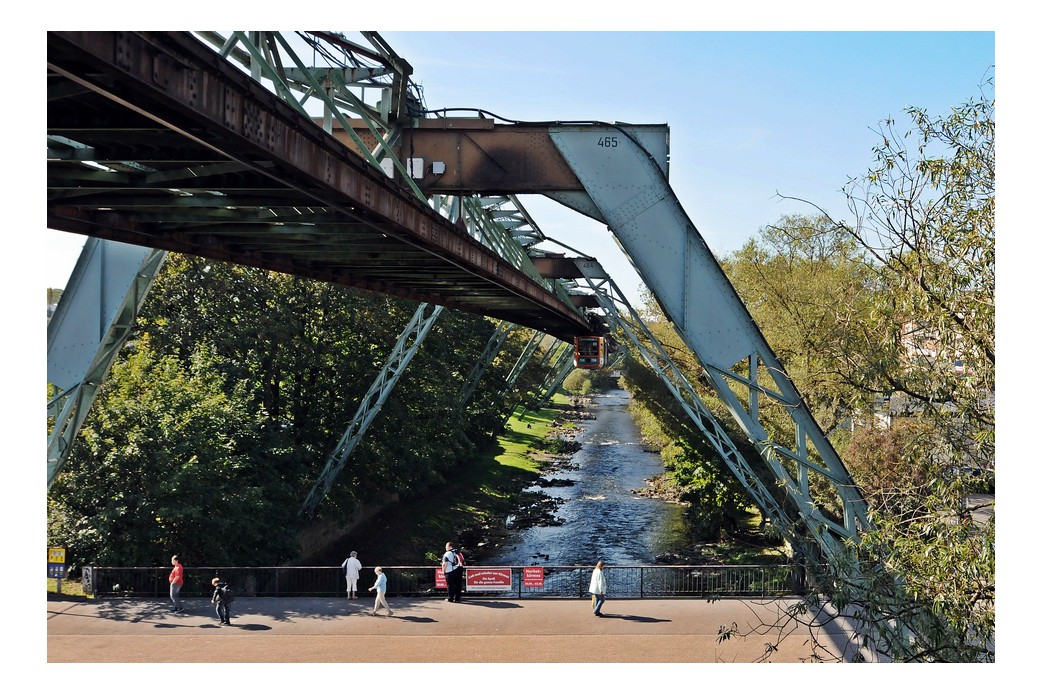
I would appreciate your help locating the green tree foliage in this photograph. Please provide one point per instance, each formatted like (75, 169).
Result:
(163, 465)
(312, 350)
(928, 563)
(224, 407)
(924, 220)
(914, 351)
(889, 463)
(579, 382)
(582, 382)
(804, 283)
(926, 215)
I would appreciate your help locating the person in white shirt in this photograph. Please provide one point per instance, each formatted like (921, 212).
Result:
(598, 587)
(352, 567)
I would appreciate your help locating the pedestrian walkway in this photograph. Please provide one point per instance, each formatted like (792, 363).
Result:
(425, 630)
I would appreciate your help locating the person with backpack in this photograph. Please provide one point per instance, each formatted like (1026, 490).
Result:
(352, 567)
(222, 598)
(452, 566)
(460, 559)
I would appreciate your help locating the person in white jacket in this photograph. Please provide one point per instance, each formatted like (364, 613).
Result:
(598, 587)
(352, 567)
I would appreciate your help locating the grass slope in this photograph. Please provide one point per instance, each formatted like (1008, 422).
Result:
(470, 511)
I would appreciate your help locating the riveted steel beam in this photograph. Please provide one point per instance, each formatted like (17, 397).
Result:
(211, 110)
(476, 154)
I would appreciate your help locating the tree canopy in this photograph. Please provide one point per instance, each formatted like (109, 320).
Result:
(224, 406)
(895, 327)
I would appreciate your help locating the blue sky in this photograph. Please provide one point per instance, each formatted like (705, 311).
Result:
(752, 115)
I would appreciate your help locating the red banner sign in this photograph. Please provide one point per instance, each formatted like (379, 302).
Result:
(440, 579)
(532, 577)
(488, 579)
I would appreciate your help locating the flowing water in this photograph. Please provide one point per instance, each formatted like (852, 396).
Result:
(602, 518)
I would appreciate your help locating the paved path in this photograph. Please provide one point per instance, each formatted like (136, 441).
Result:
(323, 630)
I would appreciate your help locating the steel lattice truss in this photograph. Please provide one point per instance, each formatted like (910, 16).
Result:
(220, 145)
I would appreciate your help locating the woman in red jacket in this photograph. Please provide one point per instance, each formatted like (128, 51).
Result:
(177, 578)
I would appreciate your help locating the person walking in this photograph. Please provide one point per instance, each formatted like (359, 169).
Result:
(454, 573)
(222, 598)
(177, 580)
(352, 567)
(461, 572)
(381, 587)
(598, 587)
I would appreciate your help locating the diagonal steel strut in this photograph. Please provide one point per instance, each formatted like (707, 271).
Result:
(408, 343)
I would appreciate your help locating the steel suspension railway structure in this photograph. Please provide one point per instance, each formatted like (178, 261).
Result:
(231, 146)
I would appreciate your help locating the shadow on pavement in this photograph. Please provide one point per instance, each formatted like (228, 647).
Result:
(636, 618)
(64, 598)
(200, 613)
(213, 626)
(490, 603)
(278, 610)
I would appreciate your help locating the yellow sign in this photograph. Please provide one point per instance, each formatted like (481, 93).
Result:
(56, 555)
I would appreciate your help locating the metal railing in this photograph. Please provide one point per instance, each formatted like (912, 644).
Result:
(642, 581)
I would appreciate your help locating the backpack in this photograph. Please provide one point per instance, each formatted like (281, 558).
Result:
(459, 558)
(226, 594)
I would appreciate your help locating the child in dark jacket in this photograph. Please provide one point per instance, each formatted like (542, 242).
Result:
(222, 598)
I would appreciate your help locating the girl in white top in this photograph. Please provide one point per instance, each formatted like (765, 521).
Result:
(598, 587)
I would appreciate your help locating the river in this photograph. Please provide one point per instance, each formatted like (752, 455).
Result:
(601, 516)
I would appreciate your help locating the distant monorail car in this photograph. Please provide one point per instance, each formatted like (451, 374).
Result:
(589, 352)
